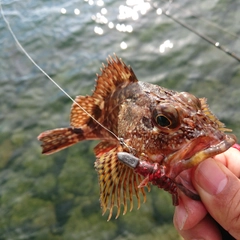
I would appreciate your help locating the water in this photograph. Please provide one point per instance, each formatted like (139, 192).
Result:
(56, 196)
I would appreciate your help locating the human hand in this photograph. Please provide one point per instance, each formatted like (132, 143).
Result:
(218, 184)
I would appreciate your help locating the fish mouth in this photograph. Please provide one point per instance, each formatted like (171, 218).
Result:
(195, 151)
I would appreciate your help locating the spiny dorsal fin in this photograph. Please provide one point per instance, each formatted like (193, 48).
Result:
(115, 75)
(118, 183)
(208, 112)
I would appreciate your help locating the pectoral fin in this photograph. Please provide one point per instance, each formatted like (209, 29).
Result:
(118, 183)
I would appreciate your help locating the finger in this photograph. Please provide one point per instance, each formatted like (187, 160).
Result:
(205, 229)
(219, 190)
(188, 213)
(230, 159)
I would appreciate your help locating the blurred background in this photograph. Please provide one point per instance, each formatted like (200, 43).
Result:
(56, 196)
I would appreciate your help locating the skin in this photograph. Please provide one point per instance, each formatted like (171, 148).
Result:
(217, 182)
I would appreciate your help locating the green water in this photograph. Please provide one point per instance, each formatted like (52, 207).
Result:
(56, 196)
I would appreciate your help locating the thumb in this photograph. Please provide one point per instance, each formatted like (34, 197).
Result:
(219, 190)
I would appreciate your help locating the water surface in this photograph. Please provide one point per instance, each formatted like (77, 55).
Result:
(56, 196)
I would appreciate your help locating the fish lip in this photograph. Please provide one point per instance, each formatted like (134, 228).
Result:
(213, 149)
(196, 151)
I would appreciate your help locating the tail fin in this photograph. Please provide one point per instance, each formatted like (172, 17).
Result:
(60, 138)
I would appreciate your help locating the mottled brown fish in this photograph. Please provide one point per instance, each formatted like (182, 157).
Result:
(176, 130)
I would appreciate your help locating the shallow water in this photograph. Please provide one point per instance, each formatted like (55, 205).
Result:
(56, 196)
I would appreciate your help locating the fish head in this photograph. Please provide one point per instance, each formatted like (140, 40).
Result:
(195, 133)
(175, 129)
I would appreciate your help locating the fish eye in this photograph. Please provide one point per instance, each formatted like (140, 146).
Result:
(162, 121)
(166, 116)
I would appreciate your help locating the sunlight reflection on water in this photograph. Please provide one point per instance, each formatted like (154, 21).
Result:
(131, 10)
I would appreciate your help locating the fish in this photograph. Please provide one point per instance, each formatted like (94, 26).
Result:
(170, 129)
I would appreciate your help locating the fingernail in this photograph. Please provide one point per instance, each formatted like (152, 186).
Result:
(210, 177)
(181, 216)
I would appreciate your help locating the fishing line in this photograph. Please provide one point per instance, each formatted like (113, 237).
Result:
(166, 13)
(30, 58)
(213, 24)
(204, 37)
(224, 30)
